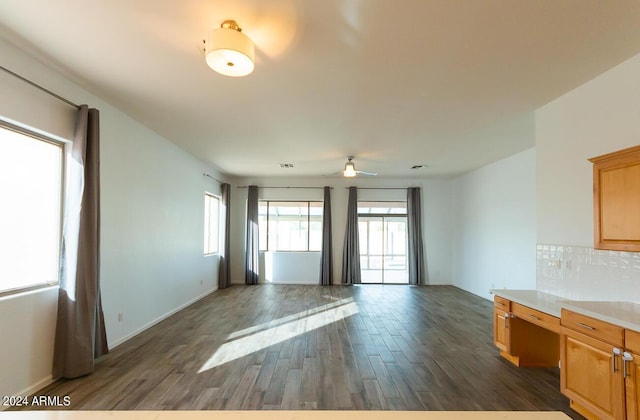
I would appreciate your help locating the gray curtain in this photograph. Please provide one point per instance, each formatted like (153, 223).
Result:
(80, 333)
(326, 256)
(224, 274)
(351, 252)
(417, 273)
(251, 275)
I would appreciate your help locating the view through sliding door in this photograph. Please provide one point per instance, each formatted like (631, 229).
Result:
(382, 229)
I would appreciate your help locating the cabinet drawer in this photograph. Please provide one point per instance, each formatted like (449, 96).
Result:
(502, 303)
(592, 327)
(632, 341)
(542, 319)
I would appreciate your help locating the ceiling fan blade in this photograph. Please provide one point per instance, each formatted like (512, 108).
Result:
(365, 173)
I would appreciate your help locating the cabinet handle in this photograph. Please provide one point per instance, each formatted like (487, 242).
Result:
(614, 353)
(534, 317)
(626, 357)
(589, 327)
(500, 303)
(504, 317)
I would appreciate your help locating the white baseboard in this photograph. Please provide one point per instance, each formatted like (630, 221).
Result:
(129, 336)
(31, 389)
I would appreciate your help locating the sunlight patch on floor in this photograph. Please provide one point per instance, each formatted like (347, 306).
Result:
(289, 318)
(259, 340)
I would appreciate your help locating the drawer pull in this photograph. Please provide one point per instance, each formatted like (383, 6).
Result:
(500, 303)
(534, 317)
(589, 327)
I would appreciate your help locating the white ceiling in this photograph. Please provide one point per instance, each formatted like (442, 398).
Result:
(447, 83)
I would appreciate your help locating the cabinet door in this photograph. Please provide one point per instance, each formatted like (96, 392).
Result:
(632, 387)
(591, 376)
(501, 329)
(616, 200)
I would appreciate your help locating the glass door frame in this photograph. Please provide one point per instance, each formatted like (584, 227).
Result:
(384, 219)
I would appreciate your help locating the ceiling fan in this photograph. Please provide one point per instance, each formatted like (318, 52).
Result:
(350, 169)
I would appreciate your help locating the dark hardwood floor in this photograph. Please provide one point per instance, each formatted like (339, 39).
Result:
(364, 347)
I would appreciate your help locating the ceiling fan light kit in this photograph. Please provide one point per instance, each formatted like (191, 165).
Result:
(349, 169)
(228, 51)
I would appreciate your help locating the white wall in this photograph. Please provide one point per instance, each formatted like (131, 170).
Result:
(494, 226)
(598, 117)
(152, 227)
(436, 220)
(152, 231)
(28, 328)
(289, 267)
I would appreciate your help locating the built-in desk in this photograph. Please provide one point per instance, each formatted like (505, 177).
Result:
(526, 327)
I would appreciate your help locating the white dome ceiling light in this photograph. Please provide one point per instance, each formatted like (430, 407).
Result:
(228, 51)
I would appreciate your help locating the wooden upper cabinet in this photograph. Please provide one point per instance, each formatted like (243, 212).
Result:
(616, 200)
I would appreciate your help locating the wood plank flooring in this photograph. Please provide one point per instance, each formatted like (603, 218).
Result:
(368, 347)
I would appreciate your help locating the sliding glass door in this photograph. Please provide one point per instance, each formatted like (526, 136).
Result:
(382, 229)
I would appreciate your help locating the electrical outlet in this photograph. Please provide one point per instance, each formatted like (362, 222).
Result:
(120, 317)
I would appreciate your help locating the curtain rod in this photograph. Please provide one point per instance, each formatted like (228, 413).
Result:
(379, 188)
(37, 86)
(212, 177)
(296, 188)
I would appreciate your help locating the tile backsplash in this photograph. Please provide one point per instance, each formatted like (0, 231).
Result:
(581, 273)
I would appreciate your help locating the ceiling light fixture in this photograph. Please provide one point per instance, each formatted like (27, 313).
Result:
(228, 51)
(349, 168)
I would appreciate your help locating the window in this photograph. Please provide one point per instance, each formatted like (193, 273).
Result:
(31, 176)
(211, 224)
(290, 225)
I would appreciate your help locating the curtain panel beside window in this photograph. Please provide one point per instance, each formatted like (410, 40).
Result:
(417, 274)
(326, 256)
(80, 332)
(224, 272)
(252, 246)
(351, 252)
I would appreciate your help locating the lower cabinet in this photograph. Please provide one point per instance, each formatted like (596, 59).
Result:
(632, 385)
(501, 336)
(631, 372)
(592, 366)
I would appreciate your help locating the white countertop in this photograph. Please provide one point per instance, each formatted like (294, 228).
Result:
(623, 314)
